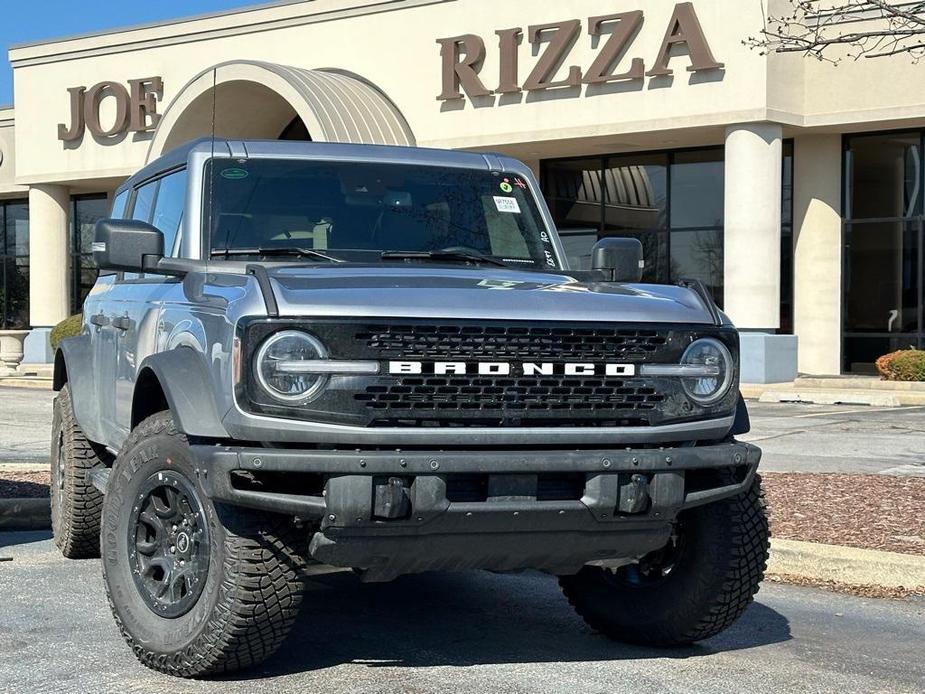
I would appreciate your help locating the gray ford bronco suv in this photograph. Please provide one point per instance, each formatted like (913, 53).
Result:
(302, 358)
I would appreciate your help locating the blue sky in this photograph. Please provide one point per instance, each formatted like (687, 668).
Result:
(44, 19)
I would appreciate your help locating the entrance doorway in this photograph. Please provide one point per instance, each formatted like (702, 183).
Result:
(883, 248)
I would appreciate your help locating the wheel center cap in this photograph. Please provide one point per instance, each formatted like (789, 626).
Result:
(183, 542)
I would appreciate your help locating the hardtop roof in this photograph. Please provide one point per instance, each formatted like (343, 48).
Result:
(225, 148)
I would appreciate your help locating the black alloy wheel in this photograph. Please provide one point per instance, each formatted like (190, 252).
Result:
(168, 544)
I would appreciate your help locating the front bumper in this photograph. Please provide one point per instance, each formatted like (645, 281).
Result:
(394, 512)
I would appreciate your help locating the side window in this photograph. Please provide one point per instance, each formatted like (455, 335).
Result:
(168, 210)
(144, 202)
(118, 205)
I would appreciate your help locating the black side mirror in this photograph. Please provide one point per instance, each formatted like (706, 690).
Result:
(620, 258)
(127, 245)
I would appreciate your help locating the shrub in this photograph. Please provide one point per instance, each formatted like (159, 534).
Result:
(885, 365)
(69, 327)
(909, 365)
(905, 365)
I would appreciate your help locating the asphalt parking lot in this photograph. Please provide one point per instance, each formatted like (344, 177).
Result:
(469, 632)
(832, 438)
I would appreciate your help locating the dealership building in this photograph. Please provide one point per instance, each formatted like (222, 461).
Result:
(792, 187)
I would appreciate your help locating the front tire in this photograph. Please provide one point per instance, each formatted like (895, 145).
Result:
(76, 504)
(196, 588)
(694, 588)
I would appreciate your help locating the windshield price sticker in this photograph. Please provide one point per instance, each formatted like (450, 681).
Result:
(505, 204)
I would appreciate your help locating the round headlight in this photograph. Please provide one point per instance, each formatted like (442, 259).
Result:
(277, 366)
(718, 367)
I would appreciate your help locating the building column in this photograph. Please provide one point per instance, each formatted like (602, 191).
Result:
(754, 180)
(817, 263)
(48, 266)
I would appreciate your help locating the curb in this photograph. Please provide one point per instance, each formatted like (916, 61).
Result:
(863, 567)
(800, 392)
(25, 514)
(27, 382)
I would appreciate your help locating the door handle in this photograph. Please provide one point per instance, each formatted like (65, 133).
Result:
(99, 320)
(122, 323)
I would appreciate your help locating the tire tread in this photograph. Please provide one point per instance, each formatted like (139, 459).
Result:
(693, 621)
(76, 522)
(260, 593)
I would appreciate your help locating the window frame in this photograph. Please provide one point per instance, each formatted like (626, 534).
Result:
(663, 234)
(5, 255)
(849, 222)
(75, 255)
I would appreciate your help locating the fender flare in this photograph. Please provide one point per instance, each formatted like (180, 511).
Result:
(742, 424)
(74, 367)
(187, 386)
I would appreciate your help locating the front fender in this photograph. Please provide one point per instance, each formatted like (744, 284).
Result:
(74, 367)
(184, 378)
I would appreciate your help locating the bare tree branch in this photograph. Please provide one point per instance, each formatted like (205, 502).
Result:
(833, 30)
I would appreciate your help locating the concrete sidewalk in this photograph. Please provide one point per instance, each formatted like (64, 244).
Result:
(25, 425)
(839, 390)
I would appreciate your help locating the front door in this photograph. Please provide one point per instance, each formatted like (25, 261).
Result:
(883, 290)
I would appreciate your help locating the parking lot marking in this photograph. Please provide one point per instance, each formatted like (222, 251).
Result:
(866, 409)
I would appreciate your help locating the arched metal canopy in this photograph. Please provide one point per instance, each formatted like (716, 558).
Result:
(249, 97)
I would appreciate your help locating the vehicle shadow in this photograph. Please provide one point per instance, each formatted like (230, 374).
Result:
(471, 618)
(12, 538)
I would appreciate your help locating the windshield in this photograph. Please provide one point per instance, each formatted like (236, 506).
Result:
(357, 212)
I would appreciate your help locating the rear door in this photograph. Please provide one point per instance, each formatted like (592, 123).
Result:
(141, 296)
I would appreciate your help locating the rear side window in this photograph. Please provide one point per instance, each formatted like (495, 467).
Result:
(118, 205)
(168, 210)
(144, 202)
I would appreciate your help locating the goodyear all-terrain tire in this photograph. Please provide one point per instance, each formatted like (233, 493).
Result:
(693, 589)
(197, 588)
(76, 504)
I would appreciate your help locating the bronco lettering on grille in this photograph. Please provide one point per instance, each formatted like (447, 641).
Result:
(501, 368)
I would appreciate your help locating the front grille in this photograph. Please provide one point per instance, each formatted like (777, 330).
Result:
(477, 343)
(453, 400)
(524, 398)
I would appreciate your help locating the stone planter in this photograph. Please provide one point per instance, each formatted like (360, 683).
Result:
(11, 351)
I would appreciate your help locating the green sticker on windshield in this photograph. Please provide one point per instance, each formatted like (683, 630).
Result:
(234, 174)
(507, 187)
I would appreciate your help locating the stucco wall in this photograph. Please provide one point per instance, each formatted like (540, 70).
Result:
(397, 50)
(8, 187)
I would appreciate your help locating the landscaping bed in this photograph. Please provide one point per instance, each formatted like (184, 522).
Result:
(881, 512)
(24, 485)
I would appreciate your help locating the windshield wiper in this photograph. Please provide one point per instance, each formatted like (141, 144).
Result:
(277, 251)
(461, 256)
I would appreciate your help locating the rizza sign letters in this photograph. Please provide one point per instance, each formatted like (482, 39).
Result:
(463, 56)
(135, 108)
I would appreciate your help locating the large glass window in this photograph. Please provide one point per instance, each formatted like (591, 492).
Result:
(14, 265)
(358, 212)
(884, 297)
(86, 210)
(673, 202)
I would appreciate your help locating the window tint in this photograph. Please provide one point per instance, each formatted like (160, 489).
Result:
(168, 211)
(144, 201)
(884, 175)
(14, 264)
(118, 205)
(698, 189)
(356, 211)
(86, 211)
